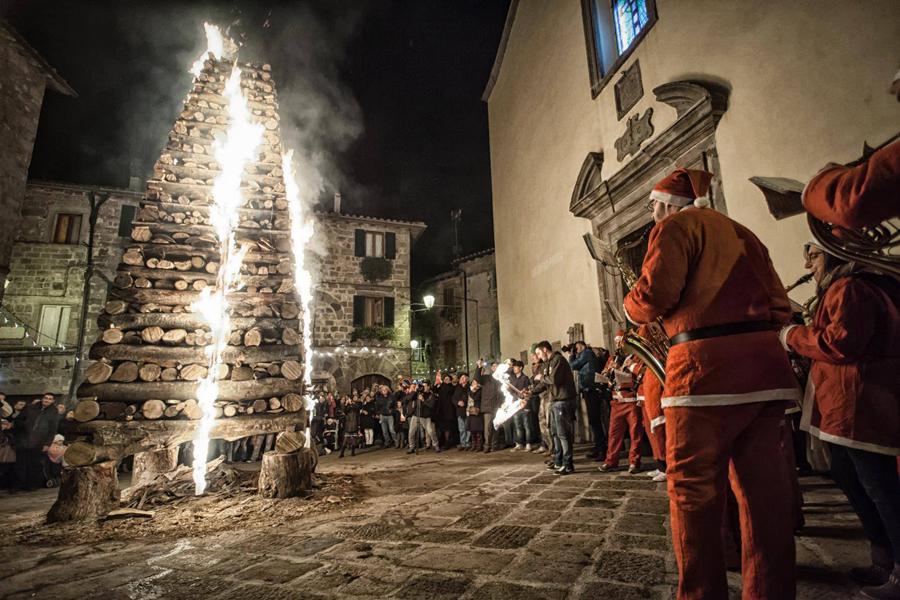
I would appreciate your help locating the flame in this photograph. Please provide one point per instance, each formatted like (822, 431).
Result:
(510, 404)
(302, 229)
(215, 45)
(232, 153)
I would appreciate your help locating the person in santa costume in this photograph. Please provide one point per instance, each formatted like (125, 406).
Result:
(727, 383)
(858, 196)
(853, 400)
(624, 413)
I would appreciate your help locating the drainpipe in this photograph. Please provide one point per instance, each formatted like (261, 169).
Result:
(97, 200)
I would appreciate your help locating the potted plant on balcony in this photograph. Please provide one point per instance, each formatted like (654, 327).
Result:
(375, 268)
(376, 335)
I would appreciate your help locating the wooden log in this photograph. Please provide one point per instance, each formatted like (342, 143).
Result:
(230, 410)
(141, 233)
(283, 476)
(292, 402)
(147, 465)
(253, 337)
(192, 410)
(86, 493)
(123, 280)
(291, 369)
(290, 441)
(193, 372)
(153, 409)
(133, 257)
(274, 369)
(260, 405)
(126, 372)
(112, 335)
(152, 334)
(149, 372)
(98, 372)
(290, 336)
(198, 284)
(112, 411)
(142, 283)
(242, 373)
(169, 374)
(79, 454)
(274, 403)
(86, 410)
(115, 307)
(172, 411)
(192, 355)
(181, 284)
(174, 336)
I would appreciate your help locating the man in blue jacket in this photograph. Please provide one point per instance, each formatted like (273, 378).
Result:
(585, 362)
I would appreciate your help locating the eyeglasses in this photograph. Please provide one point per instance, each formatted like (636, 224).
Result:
(650, 204)
(811, 256)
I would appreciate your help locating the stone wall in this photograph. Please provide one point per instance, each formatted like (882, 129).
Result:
(22, 84)
(339, 280)
(481, 286)
(45, 273)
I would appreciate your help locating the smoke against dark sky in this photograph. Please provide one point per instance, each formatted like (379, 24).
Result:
(381, 97)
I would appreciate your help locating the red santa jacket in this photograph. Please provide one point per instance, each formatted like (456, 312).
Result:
(703, 269)
(859, 196)
(854, 342)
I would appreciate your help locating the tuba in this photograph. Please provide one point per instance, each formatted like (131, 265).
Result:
(653, 349)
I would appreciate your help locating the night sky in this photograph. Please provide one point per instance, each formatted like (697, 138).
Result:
(385, 95)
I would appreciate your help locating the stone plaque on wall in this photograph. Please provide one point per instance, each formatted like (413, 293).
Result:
(629, 89)
(637, 129)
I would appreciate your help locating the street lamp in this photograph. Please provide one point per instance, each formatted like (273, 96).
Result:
(413, 344)
(428, 300)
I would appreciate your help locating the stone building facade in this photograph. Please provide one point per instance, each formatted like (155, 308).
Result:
(585, 117)
(46, 281)
(465, 302)
(361, 325)
(24, 78)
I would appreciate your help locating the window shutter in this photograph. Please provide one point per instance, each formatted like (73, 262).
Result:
(388, 312)
(390, 245)
(360, 242)
(126, 217)
(359, 309)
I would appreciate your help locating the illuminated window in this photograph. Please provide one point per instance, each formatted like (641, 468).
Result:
(68, 229)
(631, 18)
(375, 244)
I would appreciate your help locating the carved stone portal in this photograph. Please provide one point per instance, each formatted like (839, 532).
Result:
(637, 130)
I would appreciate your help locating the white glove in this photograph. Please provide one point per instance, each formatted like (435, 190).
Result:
(782, 336)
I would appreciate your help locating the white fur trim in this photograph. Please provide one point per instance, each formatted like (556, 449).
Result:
(672, 199)
(702, 202)
(654, 423)
(629, 317)
(783, 334)
(842, 441)
(727, 399)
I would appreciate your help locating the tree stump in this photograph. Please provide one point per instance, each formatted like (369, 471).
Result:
(147, 465)
(86, 493)
(284, 475)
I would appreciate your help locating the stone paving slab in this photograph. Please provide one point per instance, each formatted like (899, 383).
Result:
(455, 525)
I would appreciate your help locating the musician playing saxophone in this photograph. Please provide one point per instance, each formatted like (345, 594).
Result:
(854, 343)
(624, 410)
(727, 380)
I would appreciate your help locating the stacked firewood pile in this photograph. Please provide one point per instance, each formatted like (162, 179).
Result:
(151, 353)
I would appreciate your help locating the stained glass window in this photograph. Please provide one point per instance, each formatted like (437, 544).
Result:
(630, 17)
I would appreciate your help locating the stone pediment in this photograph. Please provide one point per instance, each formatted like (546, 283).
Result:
(589, 181)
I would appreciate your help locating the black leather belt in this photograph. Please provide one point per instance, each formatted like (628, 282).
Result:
(703, 333)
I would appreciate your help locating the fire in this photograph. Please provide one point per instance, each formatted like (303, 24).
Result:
(302, 229)
(215, 45)
(510, 404)
(233, 153)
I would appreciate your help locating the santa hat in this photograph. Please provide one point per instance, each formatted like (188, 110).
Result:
(683, 187)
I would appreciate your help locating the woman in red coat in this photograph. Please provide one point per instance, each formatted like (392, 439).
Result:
(854, 343)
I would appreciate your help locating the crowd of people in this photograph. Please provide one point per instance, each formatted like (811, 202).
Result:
(31, 450)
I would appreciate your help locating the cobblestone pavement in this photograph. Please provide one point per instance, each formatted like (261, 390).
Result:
(433, 526)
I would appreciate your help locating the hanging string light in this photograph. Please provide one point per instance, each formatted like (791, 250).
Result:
(32, 334)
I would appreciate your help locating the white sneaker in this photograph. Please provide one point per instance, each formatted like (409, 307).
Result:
(528, 448)
(516, 448)
(660, 478)
(653, 473)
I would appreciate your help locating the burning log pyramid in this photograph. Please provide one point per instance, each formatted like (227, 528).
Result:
(159, 353)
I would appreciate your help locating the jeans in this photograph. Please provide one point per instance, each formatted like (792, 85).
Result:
(522, 423)
(465, 437)
(872, 486)
(562, 430)
(388, 434)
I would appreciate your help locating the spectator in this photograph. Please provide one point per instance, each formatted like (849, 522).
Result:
(587, 364)
(367, 408)
(474, 420)
(445, 411)
(35, 425)
(519, 383)
(352, 413)
(386, 403)
(460, 402)
(7, 449)
(491, 399)
(541, 404)
(417, 407)
(557, 378)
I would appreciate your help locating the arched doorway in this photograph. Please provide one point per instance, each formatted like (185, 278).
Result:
(367, 381)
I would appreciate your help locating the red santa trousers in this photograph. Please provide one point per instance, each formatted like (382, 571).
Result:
(656, 437)
(622, 415)
(701, 441)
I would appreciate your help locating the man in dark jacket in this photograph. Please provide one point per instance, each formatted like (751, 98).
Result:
(491, 400)
(557, 378)
(460, 401)
(417, 406)
(385, 401)
(35, 427)
(586, 362)
(519, 383)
